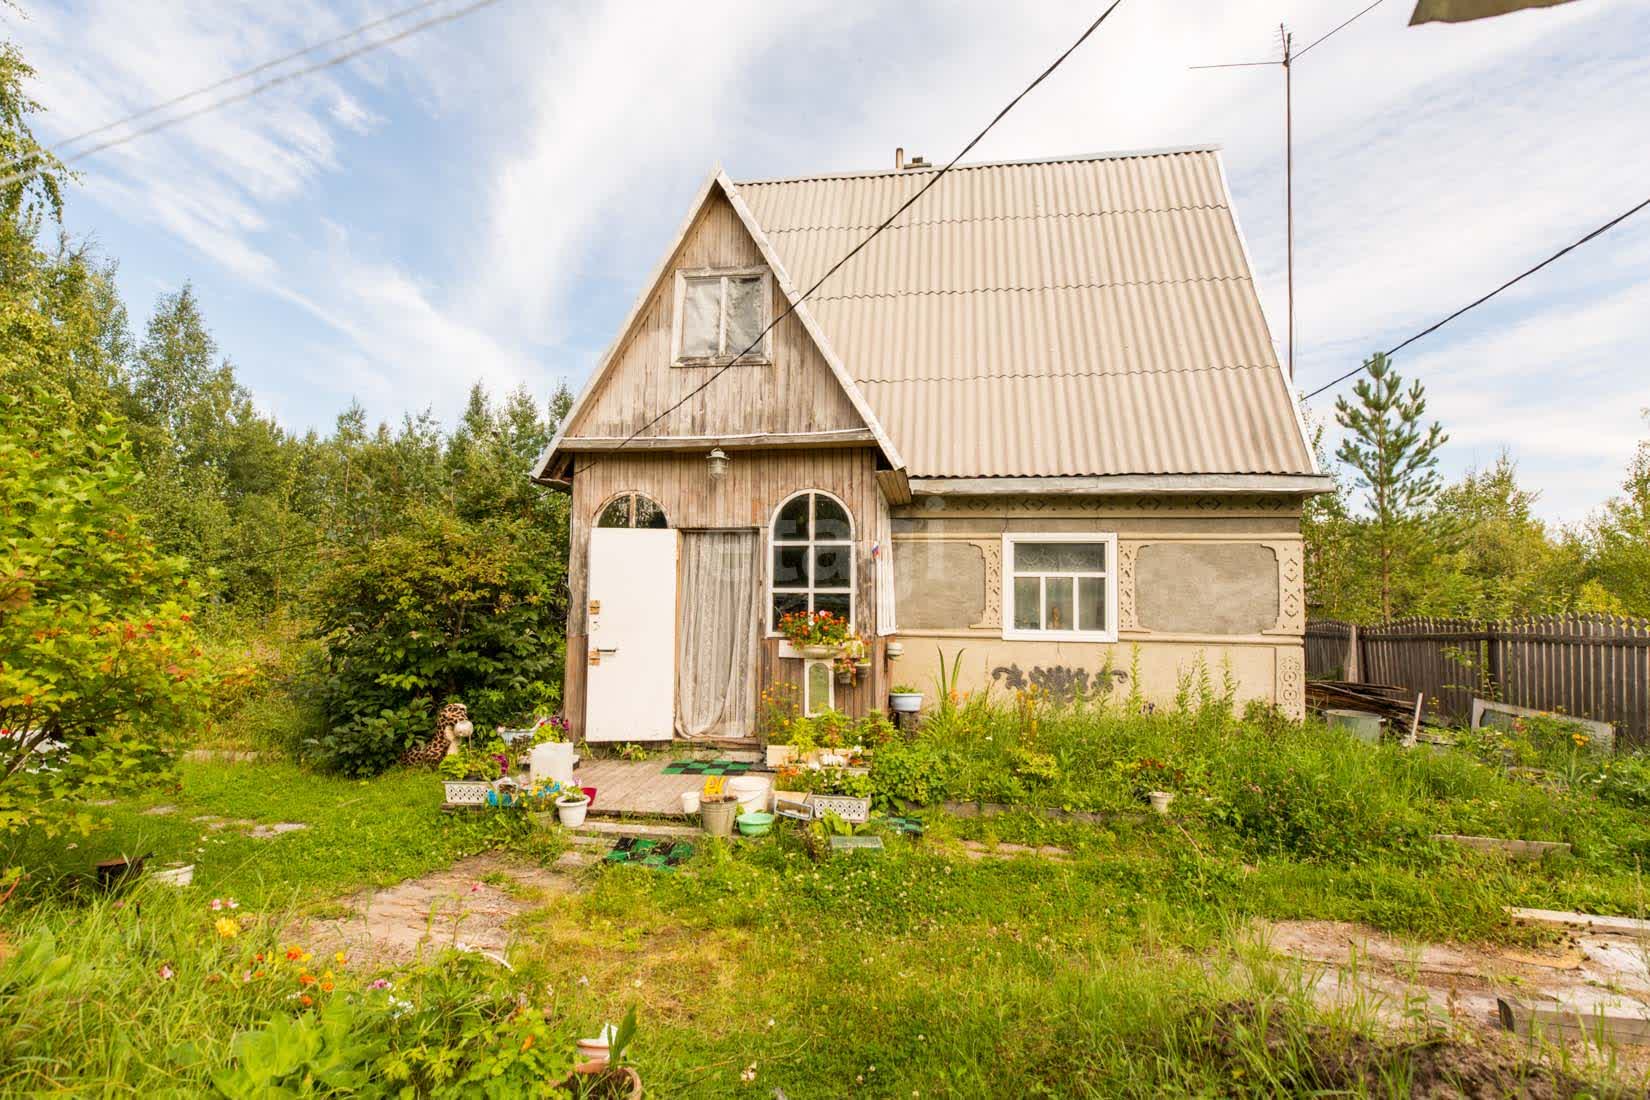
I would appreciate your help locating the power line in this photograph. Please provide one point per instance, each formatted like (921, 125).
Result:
(242, 75)
(903, 207)
(1606, 227)
(258, 89)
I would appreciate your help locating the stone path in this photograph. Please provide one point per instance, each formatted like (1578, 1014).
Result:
(470, 905)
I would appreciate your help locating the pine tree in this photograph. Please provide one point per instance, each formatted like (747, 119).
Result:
(1396, 460)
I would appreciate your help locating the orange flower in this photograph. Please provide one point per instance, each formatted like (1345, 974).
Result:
(306, 978)
(306, 1000)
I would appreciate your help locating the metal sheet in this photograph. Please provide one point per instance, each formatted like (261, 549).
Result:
(1088, 316)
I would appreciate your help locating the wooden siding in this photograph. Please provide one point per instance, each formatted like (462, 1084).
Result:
(795, 393)
(755, 485)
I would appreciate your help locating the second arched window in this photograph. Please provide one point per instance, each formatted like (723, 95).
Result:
(813, 557)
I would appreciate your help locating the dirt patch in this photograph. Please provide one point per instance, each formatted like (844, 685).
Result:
(1310, 1058)
(470, 906)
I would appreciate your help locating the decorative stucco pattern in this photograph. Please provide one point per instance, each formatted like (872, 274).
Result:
(1126, 554)
(1291, 685)
(992, 550)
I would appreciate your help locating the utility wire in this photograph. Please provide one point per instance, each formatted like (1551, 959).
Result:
(889, 220)
(1606, 227)
(242, 75)
(256, 89)
(1301, 52)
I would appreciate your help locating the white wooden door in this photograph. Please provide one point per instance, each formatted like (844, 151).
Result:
(631, 689)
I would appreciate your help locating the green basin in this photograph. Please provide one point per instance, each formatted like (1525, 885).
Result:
(756, 824)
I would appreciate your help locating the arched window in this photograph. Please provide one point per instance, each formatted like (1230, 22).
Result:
(631, 510)
(813, 557)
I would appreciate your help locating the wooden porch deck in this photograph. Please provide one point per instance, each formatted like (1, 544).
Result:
(637, 787)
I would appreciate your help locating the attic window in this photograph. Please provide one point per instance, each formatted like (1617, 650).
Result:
(719, 314)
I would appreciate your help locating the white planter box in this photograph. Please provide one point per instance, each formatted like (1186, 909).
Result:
(466, 792)
(850, 809)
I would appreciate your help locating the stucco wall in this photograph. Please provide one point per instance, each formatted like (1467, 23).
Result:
(1215, 580)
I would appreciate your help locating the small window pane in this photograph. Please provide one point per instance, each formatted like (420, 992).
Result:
(649, 514)
(1059, 557)
(1027, 594)
(784, 603)
(832, 565)
(834, 602)
(790, 567)
(1091, 603)
(792, 524)
(701, 318)
(744, 315)
(830, 519)
(616, 514)
(1059, 612)
(819, 685)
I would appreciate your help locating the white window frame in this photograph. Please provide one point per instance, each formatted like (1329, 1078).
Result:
(763, 354)
(853, 560)
(1108, 539)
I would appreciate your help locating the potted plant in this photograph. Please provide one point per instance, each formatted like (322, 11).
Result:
(717, 807)
(571, 805)
(817, 635)
(792, 784)
(904, 699)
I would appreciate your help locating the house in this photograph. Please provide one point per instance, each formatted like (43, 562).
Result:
(1039, 420)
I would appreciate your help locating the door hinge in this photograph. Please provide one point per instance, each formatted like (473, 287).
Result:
(595, 656)
(595, 607)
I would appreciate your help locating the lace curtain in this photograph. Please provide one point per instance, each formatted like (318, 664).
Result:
(716, 634)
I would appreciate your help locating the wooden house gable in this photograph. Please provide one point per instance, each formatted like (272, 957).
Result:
(793, 395)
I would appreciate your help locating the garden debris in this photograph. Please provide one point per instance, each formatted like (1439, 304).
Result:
(1615, 926)
(1396, 704)
(660, 855)
(1591, 971)
(468, 906)
(1314, 1059)
(1630, 1025)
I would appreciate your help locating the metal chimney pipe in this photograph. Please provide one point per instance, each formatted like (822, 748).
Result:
(899, 159)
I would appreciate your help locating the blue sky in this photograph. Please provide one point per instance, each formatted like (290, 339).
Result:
(482, 201)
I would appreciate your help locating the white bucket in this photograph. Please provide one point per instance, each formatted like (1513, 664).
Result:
(751, 791)
(551, 760)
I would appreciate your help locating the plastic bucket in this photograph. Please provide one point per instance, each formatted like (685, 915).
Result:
(750, 791)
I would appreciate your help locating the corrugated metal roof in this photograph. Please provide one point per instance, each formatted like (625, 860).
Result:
(1089, 316)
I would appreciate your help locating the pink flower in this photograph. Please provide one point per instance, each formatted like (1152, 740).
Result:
(475, 887)
(380, 983)
(166, 972)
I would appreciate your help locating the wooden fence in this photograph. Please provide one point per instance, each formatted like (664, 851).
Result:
(1592, 666)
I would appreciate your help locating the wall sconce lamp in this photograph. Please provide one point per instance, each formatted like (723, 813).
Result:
(717, 463)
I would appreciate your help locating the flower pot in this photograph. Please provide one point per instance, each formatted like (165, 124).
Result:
(718, 816)
(690, 802)
(572, 811)
(624, 1081)
(780, 755)
(816, 652)
(1160, 800)
(905, 702)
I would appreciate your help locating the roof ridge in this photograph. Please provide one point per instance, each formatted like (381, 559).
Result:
(1073, 158)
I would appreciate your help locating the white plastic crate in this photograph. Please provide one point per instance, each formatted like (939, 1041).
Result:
(464, 792)
(850, 809)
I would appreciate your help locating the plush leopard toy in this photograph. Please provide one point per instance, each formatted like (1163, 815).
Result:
(433, 751)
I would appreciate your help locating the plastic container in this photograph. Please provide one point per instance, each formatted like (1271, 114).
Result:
(1361, 724)
(690, 802)
(552, 760)
(750, 791)
(756, 824)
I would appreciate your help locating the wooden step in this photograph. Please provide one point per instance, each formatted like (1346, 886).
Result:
(610, 830)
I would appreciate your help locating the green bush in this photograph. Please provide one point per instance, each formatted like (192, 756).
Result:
(441, 610)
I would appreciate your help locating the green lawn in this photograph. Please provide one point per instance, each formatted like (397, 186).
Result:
(1126, 969)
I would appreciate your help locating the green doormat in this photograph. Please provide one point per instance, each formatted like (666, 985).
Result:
(661, 855)
(708, 767)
